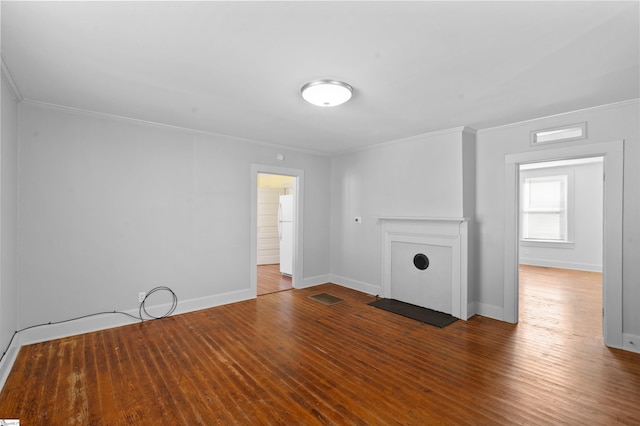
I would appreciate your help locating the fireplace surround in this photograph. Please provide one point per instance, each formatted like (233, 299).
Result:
(425, 262)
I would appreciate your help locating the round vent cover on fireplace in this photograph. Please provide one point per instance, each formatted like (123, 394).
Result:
(421, 261)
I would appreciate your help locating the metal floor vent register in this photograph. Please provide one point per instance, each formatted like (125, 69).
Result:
(326, 298)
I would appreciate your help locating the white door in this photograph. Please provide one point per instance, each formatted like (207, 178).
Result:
(285, 228)
(286, 248)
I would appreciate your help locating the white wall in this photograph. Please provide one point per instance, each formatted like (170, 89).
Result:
(109, 208)
(605, 124)
(8, 218)
(585, 252)
(421, 176)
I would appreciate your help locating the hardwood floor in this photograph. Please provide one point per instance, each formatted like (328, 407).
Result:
(553, 299)
(270, 280)
(284, 358)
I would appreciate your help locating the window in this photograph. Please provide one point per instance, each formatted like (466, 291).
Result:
(559, 134)
(544, 208)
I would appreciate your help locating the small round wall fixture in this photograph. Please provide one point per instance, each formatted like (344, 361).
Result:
(326, 93)
(421, 261)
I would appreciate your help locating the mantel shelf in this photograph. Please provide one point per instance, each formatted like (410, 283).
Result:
(423, 219)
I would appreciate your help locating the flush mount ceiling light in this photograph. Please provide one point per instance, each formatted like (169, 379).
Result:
(326, 93)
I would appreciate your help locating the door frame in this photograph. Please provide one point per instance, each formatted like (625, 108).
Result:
(613, 163)
(298, 217)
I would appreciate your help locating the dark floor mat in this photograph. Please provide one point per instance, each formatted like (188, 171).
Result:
(326, 298)
(418, 313)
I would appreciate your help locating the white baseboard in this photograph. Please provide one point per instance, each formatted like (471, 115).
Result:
(8, 360)
(212, 301)
(363, 287)
(489, 311)
(109, 320)
(560, 264)
(72, 328)
(313, 281)
(631, 342)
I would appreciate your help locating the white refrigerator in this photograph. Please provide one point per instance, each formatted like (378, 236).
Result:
(285, 232)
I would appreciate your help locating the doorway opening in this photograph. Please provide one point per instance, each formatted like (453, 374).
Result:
(274, 233)
(273, 186)
(561, 247)
(613, 166)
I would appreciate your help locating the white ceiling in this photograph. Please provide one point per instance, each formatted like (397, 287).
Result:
(236, 68)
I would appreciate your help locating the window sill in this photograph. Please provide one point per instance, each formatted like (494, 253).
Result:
(547, 244)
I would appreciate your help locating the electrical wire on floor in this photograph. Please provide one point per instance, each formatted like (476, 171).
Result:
(141, 309)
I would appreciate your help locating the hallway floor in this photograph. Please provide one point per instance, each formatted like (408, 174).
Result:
(270, 280)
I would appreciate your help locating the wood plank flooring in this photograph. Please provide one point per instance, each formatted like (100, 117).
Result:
(552, 299)
(270, 280)
(286, 359)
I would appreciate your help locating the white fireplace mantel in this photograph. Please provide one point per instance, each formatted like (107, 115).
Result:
(451, 232)
(422, 219)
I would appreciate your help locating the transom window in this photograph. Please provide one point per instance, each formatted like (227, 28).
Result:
(559, 134)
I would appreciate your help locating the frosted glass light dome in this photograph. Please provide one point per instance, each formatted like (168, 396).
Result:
(326, 93)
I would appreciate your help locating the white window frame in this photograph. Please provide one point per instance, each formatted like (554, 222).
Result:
(550, 175)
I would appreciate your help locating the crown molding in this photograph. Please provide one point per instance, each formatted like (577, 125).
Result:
(7, 76)
(140, 122)
(593, 108)
(459, 130)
